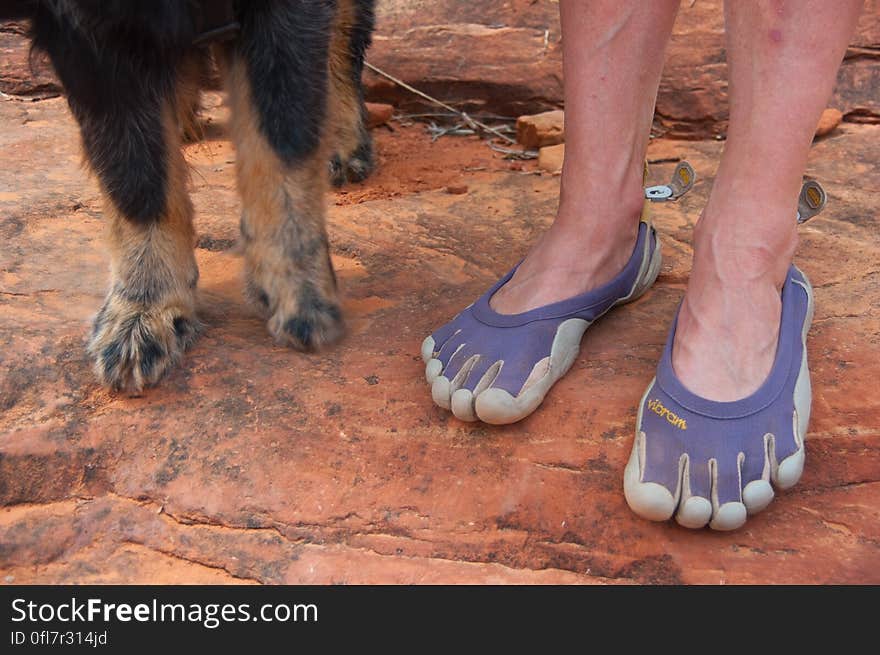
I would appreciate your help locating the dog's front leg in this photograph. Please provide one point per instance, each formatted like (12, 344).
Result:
(125, 107)
(149, 316)
(278, 84)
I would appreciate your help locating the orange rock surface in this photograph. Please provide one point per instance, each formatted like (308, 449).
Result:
(550, 158)
(828, 121)
(254, 463)
(540, 130)
(505, 56)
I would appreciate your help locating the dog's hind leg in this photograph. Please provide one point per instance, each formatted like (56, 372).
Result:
(126, 111)
(192, 76)
(277, 74)
(352, 156)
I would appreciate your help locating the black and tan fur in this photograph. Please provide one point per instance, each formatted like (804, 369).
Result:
(130, 70)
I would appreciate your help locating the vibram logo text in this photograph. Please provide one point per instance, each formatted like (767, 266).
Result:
(660, 410)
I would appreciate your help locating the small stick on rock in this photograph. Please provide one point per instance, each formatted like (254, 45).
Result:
(473, 123)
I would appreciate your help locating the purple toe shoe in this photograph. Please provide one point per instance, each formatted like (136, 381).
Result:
(497, 367)
(712, 462)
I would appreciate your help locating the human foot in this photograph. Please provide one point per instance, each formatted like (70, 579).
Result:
(726, 416)
(497, 360)
(735, 328)
(731, 310)
(498, 367)
(559, 266)
(556, 268)
(710, 462)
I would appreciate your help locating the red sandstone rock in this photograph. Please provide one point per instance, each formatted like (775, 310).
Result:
(21, 74)
(539, 130)
(550, 158)
(829, 120)
(505, 56)
(378, 114)
(255, 463)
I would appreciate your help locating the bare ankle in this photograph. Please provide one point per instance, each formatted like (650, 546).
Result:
(735, 255)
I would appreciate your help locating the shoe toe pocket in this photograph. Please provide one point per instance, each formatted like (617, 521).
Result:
(694, 513)
(440, 391)
(427, 350)
(756, 495)
(462, 405)
(729, 516)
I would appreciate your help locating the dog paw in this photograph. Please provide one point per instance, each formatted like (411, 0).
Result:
(312, 322)
(355, 166)
(133, 346)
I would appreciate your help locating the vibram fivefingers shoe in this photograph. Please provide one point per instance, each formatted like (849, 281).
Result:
(497, 368)
(707, 462)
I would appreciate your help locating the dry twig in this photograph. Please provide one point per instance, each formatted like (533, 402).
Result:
(474, 124)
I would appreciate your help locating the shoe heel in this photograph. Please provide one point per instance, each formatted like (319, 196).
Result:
(650, 276)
